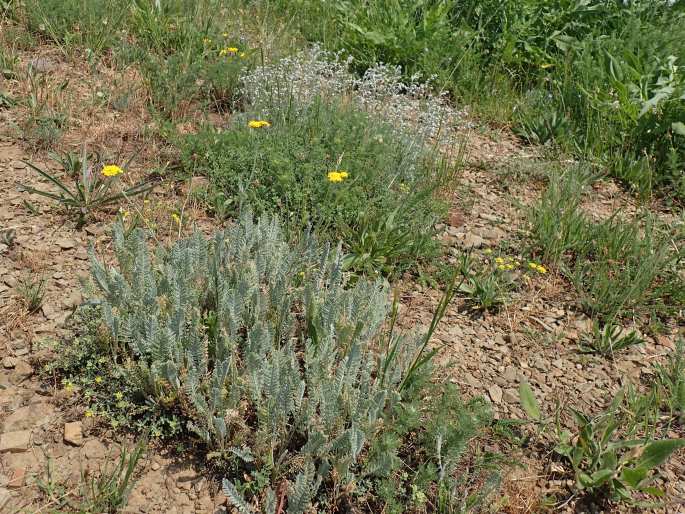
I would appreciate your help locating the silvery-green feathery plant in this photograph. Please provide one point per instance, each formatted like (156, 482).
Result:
(279, 366)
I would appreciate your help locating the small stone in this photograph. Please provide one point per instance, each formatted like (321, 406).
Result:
(473, 241)
(155, 466)
(17, 478)
(18, 165)
(73, 300)
(495, 393)
(511, 338)
(15, 442)
(94, 450)
(472, 381)
(66, 244)
(510, 396)
(96, 229)
(73, 433)
(509, 374)
(22, 371)
(9, 362)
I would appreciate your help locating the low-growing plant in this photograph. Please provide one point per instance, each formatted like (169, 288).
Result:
(108, 489)
(283, 373)
(608, 340)
(486, 285)
(104, 490)
(92, 185)
(612, 454)
(8, 237)
(671, 380)
(618, 266)
(325, 165)
(32, 292)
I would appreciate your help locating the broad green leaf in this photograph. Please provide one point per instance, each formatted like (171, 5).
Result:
(654, 491)
(528, 401)
(601, 476)
(633, 476)
(657, 452)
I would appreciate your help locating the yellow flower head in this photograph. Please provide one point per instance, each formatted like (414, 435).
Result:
(119, 395)
(225, 34)
(256, 124)
(68, 387)
(242, 54)
(206, 41)
(537, 267)
(487, 251)
(176, 218)
(112, 170)
(98, 380)
(230, 50)
(501, 267)
(89, 413)
(337, 175)
(499, 260)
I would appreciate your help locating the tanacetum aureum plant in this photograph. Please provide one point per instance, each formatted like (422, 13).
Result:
(297, 385)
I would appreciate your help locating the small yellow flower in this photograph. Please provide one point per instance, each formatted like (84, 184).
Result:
(242, 54)
(119, 395)
(206, 41)
(231, 50)
(509, 267)
(112, 170)
(487, 251)
(337, 175)
(501, 267)
(68, 386)
(225, 34)
(499, 260)
(256, 124)
(98, 380)
(537, 267)
(89, 413)
(176, 218)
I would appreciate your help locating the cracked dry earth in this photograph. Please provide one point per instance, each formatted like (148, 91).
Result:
(533, 338)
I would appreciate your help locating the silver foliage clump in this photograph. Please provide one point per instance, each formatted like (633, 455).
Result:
(276, 362)
(410, 106)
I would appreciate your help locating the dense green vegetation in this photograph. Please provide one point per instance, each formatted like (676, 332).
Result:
(348, 176)
(604, 80)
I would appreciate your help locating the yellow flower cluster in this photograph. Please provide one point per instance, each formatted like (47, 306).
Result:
(506, 264)
(257, 124)
(537, 267)
(229, 50)
(337, 175)
(112, 170)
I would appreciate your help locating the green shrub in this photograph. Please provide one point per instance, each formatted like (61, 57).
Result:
(384, 206)
(286, 376)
